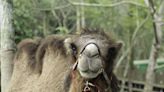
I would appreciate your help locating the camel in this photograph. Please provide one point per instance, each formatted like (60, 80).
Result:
(79, 62)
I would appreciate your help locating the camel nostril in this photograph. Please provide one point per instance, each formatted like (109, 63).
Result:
(96, 55)
(91, 50)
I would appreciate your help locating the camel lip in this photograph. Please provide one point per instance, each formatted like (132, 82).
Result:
(90, 74)
(89, 71)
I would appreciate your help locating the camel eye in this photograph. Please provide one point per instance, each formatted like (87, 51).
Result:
(74, 48)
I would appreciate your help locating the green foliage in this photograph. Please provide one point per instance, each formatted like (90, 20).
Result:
(43, 17)
(62, 30)
(25, 22)
(32, 18)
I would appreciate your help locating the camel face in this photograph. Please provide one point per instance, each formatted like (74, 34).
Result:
(94, 52)
(91, 55)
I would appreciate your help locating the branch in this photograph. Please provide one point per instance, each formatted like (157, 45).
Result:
(124, 55)
(109, 5)
(57, 17)
(157, 18)
(138, 27)
(56, 8)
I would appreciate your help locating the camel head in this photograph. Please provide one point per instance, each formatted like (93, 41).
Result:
(94, 51)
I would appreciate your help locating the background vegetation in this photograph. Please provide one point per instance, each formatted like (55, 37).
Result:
(130, 22)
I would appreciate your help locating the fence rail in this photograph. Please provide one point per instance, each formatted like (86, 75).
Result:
(138, 86)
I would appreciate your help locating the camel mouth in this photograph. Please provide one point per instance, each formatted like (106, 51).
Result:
(89, 61)
(90, 74)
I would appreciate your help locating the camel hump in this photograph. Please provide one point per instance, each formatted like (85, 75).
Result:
(26, 51)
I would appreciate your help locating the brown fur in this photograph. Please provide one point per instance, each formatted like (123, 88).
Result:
(49, 66)
(77, 83)
(42, 64)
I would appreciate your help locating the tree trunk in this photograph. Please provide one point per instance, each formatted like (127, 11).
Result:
(45, 30)
(78, 25)
(82, 15)
(157, 24)
(7, 43)
(80, 21)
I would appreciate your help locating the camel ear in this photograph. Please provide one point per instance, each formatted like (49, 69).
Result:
(118, 45)
(70, 46)
(67, 44)
(114, 49)
(112, 54)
